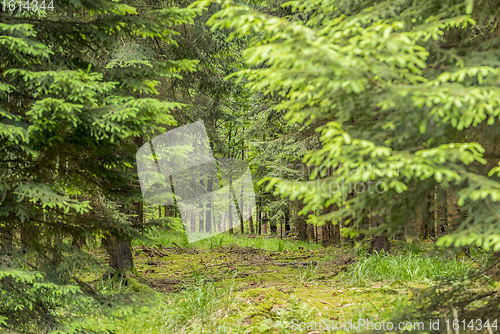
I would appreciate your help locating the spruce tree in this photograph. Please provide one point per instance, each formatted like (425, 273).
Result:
(408, 91)
(67, 135)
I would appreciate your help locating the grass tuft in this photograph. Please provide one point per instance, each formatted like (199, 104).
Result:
(409, 267)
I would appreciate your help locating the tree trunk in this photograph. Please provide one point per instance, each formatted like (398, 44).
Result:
(301, 225)
(441, 211)
(428, 221)
(273, 227)
(365, 225)
(168, 211)
(310, 232)
(264, 222)
(259, 220)
(223, 222)
(201, 224)
(242, 205)
(335, 235)
(326, 231)
(26, 238)
(347, 239)
(120, 249)
(6, 244)
(250, 220)
(209, 208)
(378, 242)
(193, 223)
(287, 221)
(120, 255)
(230, 216)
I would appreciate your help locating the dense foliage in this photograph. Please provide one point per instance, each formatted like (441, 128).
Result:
(67, 136)
(407, 91)
(392, 106)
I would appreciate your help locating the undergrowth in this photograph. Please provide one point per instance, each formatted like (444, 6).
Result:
(407, 267)
(365, 286)
(168, 239)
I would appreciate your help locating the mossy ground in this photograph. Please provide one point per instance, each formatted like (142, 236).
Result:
(264, 290)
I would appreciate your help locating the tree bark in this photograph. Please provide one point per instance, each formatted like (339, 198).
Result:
(365, 225)
(301, 225)
(201, 227)
(335, 235)
(230, 215)
(287, 221)
(193, 223)
(259, 220)
(326, 231)
(273, 227)
(168, 211)
(264, 222)
(250, 220)
(120, 249)
(208, 216)
(428, 221)
(120, 255)
(378, 242)
(441, 211)
(310, 232)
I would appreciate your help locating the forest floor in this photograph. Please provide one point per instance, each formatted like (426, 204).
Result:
(268, 285)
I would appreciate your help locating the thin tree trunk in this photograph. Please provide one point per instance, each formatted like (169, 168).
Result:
(209, 208)
(259, 219)
(336, 235)
(428, 220)
(441, 211)
(281, 229)
(250, 220)
(193, 223)
(201, 224)
(287, 221)
(241, 198)
(327, 229)
(230, 214)
(310, 232)
(223, 221)
(264, 222)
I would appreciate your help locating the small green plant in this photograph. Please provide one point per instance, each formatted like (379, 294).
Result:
(110, 287)
(281, 245)
(201, 303)
(196, 273)
(308, 274)
(217, 241)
